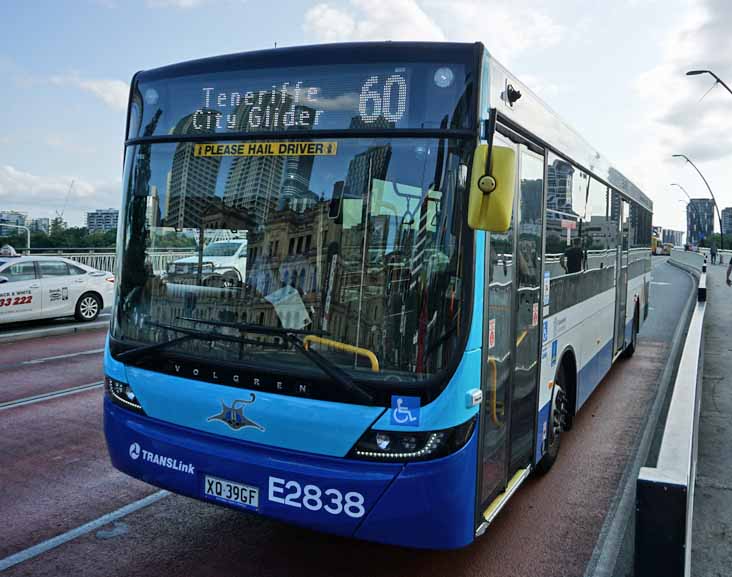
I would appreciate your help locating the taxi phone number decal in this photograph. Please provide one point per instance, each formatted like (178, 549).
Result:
(12, 301)
(292, 494)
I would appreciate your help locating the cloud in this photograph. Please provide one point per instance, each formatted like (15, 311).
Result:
(40, 196)
(114, 93)
(545, 89)
(700, 129)
(508, 28)
(371, 20)
(672, 120)
(515, 25)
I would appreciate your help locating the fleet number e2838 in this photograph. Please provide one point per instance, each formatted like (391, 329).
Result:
(333, 501)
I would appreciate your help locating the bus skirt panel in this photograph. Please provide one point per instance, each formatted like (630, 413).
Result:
(428, 504)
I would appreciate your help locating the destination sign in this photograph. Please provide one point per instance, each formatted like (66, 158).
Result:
(302, 99)
(266, 149)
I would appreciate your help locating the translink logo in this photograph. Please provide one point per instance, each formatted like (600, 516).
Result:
(160, 460)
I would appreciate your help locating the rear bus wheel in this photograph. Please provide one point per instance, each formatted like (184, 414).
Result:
(630, 349)
(88, 307)
(556, 425)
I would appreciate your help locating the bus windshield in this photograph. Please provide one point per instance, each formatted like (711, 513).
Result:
(358, 241)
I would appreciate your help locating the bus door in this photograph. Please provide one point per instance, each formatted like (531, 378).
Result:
(621, 295)
(511, 334)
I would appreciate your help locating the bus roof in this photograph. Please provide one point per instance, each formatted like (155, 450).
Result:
(529, 112)
(336, 53)
(534, 115)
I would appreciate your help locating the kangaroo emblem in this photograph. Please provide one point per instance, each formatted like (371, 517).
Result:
(234, 415)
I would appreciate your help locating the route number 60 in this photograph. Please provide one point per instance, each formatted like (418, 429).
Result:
(381, 103)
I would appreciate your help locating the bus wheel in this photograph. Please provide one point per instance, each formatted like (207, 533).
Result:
(630, 349)
(556, 426)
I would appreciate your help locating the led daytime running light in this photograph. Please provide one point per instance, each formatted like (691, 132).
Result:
(432, 443)
(118, 390)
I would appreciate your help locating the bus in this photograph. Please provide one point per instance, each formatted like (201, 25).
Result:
(438, 274)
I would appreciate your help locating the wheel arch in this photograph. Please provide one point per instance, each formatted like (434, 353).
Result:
(90, 292)
(568, 364)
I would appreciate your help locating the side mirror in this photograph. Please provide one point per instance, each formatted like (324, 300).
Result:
(3, 279)
(490, 206)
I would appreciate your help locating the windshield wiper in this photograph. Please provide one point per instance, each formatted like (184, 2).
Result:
(188, 335)
(137, 352)
(293, 337)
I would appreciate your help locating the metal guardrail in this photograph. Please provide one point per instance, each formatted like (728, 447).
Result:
(665, 493)
(108, 260)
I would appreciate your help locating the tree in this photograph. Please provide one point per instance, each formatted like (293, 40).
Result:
(73, 237)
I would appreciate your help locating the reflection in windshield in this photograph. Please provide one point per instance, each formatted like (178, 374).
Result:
(222, 248)
(363, 246)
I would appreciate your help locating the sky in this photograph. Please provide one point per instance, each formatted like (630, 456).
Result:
(614, 71)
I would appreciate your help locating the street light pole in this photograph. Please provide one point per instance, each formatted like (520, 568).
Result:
(709, 188)
(25, 228)
(682, 188)
(717, 78)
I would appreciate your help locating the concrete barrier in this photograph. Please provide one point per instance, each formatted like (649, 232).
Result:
(688, 259)
(665, 493)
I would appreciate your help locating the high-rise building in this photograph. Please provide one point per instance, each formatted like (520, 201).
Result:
(253, 185)
(40, 225)
(727, 221)
(14, 218)
(152, 212)
(102, 220)
(559, 186)
(675, 237)
(191, 182)
(699, 220)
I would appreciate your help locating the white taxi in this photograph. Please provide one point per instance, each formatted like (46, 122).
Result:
(38, 287)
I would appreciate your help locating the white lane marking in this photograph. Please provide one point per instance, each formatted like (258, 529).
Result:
(48, 396)
(65, 356)
(54, 542)
(659, 283)
(59, 327)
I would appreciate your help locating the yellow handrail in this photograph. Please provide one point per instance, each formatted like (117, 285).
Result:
(494, 383)
(494, 392)
(521, 338)
(343, 347)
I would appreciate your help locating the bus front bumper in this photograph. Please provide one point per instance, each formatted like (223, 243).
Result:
(428, 504)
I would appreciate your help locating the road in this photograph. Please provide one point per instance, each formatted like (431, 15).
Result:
(12, 332)
(56, 477)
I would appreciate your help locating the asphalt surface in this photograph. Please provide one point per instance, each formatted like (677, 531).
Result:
(56, 476)
(12, 332)
(33, 367)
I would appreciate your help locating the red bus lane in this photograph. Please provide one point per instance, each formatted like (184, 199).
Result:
(28, 350)
(54, 470)
(550, 527)
(39, 366)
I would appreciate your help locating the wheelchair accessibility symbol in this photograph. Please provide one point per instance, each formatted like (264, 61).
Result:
(405, 411)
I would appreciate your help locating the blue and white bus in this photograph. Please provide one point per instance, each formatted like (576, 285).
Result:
(437, 274)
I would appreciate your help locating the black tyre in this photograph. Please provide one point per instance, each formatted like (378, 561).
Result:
(630, 348)
(558, 419)
(88, 307)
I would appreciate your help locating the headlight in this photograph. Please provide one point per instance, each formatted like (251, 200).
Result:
(122, 394)
(411, 446)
